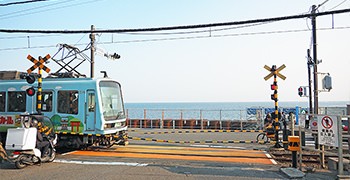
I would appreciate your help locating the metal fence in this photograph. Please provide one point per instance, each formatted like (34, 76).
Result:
(192, 119)
(229, 119)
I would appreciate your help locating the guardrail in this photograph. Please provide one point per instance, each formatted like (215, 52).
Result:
(193, 119)
(194, 124)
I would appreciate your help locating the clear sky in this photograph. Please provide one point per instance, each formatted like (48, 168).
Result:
(216, 66)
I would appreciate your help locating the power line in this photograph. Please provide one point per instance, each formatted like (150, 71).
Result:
(25, 37)
(176, 27)
(194, 32)
(46, 7)
(322, 4)
(20, 12)
(338, 4)
(149, 33)
(20, 2)
(186, 37)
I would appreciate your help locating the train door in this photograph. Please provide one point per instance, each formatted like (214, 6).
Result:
(90, 109)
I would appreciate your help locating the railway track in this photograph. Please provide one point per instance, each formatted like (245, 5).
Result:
(307, 159)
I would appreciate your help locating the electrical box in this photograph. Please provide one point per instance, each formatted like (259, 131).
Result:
(327, 82)
(21, 138)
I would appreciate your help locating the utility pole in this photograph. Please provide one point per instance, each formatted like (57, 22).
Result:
(314, 47)
(92, 56)
(309, 64)
(314, 44)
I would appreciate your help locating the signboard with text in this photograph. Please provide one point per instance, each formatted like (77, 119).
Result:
(327, 130)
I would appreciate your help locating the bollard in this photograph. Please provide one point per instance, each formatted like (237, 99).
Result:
(294, 146)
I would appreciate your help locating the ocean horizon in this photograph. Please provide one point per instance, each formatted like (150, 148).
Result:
(229, 105)
(213, 110)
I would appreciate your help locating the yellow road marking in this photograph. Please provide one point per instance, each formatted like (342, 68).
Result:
(183, 153)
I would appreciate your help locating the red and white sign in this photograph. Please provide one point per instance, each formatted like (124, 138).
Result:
(327, 122)
(327, 130)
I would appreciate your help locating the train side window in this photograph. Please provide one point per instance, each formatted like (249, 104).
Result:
(16, 101)
(2, 101)
(68, 102)
(47, 101)
(91, 102)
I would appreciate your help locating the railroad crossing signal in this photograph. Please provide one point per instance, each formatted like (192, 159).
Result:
(39, 63)
(274, 70)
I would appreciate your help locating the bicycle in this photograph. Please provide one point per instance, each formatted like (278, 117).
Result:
(267, 137)
(264, 138)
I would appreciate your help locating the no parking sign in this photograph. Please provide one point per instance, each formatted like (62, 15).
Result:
(327, 130)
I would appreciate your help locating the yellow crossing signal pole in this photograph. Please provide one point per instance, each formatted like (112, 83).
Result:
(275, 72)
(40, 65)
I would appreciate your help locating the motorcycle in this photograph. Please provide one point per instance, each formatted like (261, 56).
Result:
(21, 142)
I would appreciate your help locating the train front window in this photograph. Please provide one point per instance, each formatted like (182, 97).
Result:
(112, 102)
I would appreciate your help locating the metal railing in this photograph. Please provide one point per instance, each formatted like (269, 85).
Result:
(192, 119)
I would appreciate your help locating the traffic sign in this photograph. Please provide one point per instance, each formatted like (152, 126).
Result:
(327, 130)
(327, 122)
(273, 70)
(39, 63)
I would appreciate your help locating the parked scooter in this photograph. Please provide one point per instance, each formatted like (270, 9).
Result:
(21, 142)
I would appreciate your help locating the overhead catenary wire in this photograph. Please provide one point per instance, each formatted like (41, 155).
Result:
(28, 10)
(175, 27)
(183, 38)
(25, 37)
(147, 33)
(198, 31)
(31, 11)
(338, 5)
(20, 2)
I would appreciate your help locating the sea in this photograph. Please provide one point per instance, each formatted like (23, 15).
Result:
(214, 110)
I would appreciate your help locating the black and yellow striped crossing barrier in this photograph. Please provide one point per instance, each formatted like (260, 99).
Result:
(196, 131)
(197, 141)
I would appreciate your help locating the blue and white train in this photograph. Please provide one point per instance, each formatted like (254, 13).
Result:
(84, 111)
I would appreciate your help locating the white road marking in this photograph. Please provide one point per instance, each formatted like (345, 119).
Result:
(214, 146)
(270, 157)
(99, 163)
(68, 153)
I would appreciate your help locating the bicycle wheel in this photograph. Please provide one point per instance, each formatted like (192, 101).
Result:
(262, 138)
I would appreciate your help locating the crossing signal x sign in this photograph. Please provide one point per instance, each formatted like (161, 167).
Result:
(273, 70)
(39, 63)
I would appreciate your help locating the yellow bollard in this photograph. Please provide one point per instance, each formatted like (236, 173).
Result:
(294, 143)
(294, 146)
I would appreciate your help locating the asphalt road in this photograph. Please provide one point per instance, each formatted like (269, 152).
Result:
(151, 160)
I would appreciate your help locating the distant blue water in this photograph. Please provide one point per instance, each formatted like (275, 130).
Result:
(228, 105)
(211, 110)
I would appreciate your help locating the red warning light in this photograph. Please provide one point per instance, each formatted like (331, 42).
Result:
(30, 91)
(273, 87)
(300, 91)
